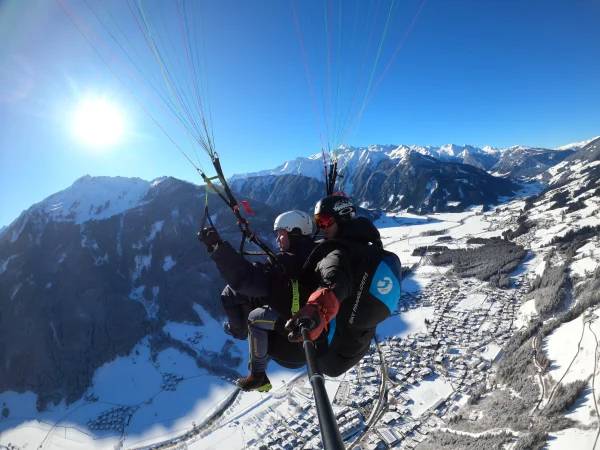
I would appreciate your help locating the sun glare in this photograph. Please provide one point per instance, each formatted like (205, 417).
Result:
(98, 123)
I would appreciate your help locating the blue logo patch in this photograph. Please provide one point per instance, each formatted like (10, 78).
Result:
(331, 330)
(386, 284)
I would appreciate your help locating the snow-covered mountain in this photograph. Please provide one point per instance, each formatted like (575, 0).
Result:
(387, 178)
(527, 162)
(517, 161)
(284, 192)
(350, 158)
(2, 228)
(584, 164)
(91, 270)
(423, 184)
(577, 145)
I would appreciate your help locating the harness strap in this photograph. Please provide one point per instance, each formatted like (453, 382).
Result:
(296, 297)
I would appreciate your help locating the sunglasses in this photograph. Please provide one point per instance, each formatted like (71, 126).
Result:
(324, 220)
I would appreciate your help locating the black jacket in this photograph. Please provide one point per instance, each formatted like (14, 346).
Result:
(265, 280)
(336, 263)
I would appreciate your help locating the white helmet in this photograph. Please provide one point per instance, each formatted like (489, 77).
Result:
(294, 220)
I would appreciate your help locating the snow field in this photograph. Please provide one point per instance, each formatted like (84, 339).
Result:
(571, 438)
(211, 329)
(405, 323)
(584, 266)
(172, 413)
(96, 198)
(131, 381)
(562, 345)
(473, 301)
(427, 393)
(584, 410)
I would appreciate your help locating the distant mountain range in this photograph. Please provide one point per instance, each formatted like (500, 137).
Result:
(415, 178)
(404, 180)
(500, 161)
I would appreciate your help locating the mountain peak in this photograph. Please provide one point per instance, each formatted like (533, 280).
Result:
(94, 198)
(577, 145)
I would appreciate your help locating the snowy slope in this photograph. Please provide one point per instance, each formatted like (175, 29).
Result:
(88, 198)
(584, 163)
(95, 198)
(577, 145)
(527, 162)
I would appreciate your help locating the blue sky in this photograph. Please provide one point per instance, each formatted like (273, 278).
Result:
(494, 72)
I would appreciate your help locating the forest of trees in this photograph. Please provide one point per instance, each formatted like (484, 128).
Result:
(560, 198)
(517, 364)
(564, 397)
(588, 295)
(419, 251)
(440, 439)
(479, 240)
(549, 290)
(532, 441)
(491, 262)
(575, 238)
(576, 206)
(433, 232)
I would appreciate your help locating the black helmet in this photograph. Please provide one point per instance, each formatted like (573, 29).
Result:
(340, 208)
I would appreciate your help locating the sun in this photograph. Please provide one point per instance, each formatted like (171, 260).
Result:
(98, 123)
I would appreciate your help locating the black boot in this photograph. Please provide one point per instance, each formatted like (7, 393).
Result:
(227, 330)
(256, 381)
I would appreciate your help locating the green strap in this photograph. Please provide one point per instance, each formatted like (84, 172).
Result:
(296, 297)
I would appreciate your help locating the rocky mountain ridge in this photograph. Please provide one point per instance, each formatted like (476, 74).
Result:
(84, 277)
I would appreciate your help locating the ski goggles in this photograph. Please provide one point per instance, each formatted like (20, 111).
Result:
(324, 220)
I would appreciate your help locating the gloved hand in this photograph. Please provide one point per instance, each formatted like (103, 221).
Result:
(322, 306)
(209, 236)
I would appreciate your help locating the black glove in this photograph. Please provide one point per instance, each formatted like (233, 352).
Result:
(209, 236)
